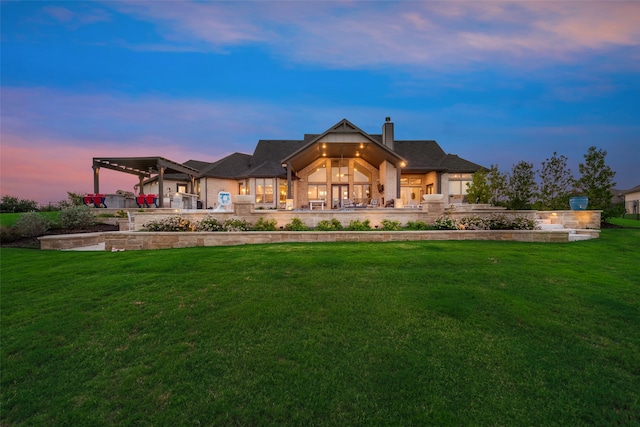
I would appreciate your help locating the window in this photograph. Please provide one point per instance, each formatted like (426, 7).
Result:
(339, 171)
(362, 193)
(283, 191)
(182, 188)
(317, 192)
(264, 190)
(361, 173)
(458, 187)
(319, 174)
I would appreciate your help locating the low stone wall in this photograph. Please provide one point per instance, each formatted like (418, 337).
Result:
(428, 213)
(70, 241)
(166, 240)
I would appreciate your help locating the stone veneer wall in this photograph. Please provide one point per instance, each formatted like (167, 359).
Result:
(429, 213)
(165, 240)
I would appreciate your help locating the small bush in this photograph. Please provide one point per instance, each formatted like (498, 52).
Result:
(445, 223)
(296, 224)
(236, 224)
(121, 214)
(357, 225)
(473, 223)
(31, 224)
(326, 225)
(524, 223)
(389, 225)
(76, 217)
(499, 222)
(173, 223)
(265, 224)
(209, 223)
(418, 225)
(8, 234)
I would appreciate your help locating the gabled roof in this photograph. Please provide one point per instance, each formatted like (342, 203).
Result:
(343, 139)
(358, 143)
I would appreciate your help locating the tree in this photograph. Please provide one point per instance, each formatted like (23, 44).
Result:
(478, 190)
(522, 186)
(497, 186)
(13, 204)
(596, 180)
(556, 182)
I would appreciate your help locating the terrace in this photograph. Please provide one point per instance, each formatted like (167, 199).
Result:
(555, 226)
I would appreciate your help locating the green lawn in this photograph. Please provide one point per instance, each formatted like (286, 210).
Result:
(8, 219)
(625, 222)
(406, 333)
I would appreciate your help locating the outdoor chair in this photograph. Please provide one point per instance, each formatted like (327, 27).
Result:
(140, 200)
(374, 203)
(151, 199)
(347, 203)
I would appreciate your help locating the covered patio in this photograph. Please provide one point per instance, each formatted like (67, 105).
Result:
(144, 168)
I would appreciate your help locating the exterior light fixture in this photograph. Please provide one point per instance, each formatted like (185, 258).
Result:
(284, 165)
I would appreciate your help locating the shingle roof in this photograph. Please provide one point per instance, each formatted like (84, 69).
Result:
(232, 166)
(422, 155)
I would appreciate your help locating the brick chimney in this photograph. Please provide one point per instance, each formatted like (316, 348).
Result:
(387, 133)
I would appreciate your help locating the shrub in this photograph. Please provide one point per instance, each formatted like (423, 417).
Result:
(389, 225)
(31, 224)
(418, 225)
(13, 204)
(473, 223)
(76, 217)
(326, 225)
(236, 224)
(265, 224)
(499, 222)
(209, 223)
(8, 234)
(173, 223)
(357, 225)
(296, 224)
(445, 223)
(524, 223)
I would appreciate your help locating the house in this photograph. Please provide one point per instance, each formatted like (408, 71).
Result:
(632, 200)
(342, 166)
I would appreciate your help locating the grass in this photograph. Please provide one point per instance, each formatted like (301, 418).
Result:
(406, 333)
(9, 219)
(625, 222)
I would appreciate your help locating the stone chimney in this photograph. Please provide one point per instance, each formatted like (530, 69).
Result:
(387, 133)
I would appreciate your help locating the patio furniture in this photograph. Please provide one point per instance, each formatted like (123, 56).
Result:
(140, 200)
(374, 203)
(98, 200)
(88, 199)
(317, 203)
(347, 203)
(151, 199)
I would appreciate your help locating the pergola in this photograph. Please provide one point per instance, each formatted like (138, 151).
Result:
(144, 168)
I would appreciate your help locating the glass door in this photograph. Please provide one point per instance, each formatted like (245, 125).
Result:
(339, 192)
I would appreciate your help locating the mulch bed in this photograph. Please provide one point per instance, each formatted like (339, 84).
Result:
(34, 243)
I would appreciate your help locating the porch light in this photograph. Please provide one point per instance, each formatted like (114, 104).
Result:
(284, 165)
(402, 164)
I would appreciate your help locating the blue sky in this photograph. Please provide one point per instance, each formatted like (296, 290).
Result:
(494, 82)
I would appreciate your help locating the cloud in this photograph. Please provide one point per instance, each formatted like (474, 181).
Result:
(417, 34)
(74, 19)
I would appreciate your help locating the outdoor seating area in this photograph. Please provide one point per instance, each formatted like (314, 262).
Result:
(95, 200)
(146, 200)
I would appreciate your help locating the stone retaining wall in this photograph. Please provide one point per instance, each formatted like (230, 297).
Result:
(428, 213)
(166, 240)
